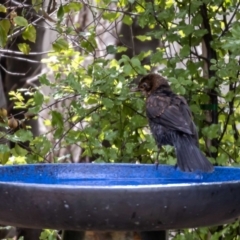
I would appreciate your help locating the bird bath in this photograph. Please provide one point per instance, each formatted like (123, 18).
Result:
(115, 197)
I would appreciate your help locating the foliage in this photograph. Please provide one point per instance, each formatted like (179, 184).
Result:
(48, 235)
(98, 111)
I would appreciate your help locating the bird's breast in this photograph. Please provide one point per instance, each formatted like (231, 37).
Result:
(160, 134)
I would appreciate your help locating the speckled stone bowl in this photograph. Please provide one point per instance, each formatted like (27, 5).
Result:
(116, 197)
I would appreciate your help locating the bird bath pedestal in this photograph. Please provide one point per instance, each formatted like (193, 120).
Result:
(116, 197)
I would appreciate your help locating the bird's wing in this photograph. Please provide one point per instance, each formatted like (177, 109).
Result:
(184, 108)
(172, 113)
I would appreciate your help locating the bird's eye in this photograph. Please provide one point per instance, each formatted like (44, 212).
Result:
(145, 85)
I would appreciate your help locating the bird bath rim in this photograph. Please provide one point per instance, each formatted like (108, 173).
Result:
(117, 207)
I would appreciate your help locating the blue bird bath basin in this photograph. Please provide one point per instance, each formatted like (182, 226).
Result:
(116, 197)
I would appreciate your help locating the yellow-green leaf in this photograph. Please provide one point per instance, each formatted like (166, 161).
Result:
(2, 8)
(24, 48)
(121, 49)
(72, 6)
(21, 21)
(30, 33)
(4, 157)
(4, 28)
(127, 20)
(4, 153)
(144, 38)
(5, 24)
(60, 44)
(110, 16)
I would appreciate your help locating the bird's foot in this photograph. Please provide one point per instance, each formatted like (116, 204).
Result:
(156, 164)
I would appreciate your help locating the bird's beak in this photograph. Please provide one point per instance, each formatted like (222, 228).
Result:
(136, 89)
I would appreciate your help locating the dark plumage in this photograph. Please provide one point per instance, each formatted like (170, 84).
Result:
(171, 123)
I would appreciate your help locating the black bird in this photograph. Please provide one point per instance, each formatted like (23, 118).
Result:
(171, 123)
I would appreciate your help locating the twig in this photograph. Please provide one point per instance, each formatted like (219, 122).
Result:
(12, 73)
(81, 119)
(20, 31)
(20, 58)
(110, 10)
(20, 53)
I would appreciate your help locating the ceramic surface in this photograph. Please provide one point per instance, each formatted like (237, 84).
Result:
(116, 197)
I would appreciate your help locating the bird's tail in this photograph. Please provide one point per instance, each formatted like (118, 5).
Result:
(189, 156)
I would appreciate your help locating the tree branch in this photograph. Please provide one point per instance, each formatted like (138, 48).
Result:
(226, 29)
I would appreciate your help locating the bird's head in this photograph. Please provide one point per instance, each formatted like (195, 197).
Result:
(152, 82)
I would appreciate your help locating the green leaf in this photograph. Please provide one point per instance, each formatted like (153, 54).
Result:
(4, 29)
(156, 57)
(44, 235)
(182, 90)
(30, 33)
(200, 32)
(57, 119)
(92, 100)
(89, 45)
(44, 81)
(72, 6)
(185, 30)
(110, 16)
(58, 133)
(110, 135)
(48, 234)
(222, 159)
(37, 4)
(212, 131)
(20, 21)
(135, 62)
(60, 44)
(3, 8)
(41, 144)
(38, 98)
(108, 103)
(19, 151)
(111, 49)
(197, 19)
(184, 51)
(22, 135)
(24, 48)
(4, 148)
(60, 12)
(229, 96)
(127, 19)
(127, 69)
(235, 31)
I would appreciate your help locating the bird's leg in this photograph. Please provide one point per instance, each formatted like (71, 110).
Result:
(176, 165)
(157, 160)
